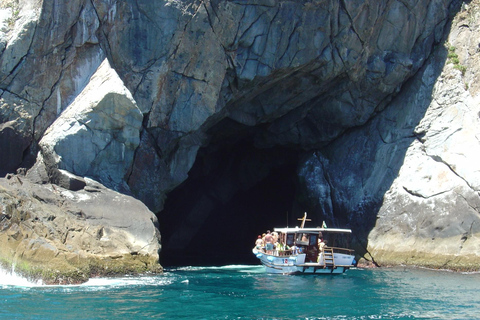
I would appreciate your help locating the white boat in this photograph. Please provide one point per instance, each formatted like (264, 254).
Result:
(308, 251)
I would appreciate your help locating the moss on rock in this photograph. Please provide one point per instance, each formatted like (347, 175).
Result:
(462, 263)
(59, 271)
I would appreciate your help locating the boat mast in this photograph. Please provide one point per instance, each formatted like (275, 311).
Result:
(303, 220)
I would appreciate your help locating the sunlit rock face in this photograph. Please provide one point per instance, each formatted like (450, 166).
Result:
(415, 164)
(433, 204)
(97, 135)
(130, 94)
(65, 237)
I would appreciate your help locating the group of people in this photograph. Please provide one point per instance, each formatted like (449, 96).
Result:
(268, 242)
(271, 242)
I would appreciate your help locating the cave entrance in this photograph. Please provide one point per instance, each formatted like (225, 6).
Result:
(234, 192)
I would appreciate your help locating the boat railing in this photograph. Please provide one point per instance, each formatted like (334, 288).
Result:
(342, 250)
(284, 253)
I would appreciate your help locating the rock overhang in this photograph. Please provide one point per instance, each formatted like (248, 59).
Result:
(193, 64)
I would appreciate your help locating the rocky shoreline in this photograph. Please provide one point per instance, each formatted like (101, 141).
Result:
(65, 237)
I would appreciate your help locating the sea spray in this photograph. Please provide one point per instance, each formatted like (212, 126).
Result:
(11, 278)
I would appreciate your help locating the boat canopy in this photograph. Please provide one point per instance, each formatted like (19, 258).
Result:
(312, 230)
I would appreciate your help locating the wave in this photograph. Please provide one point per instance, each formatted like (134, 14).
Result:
(157, 280)
(233, 267)
(10, 278)
(179, 275)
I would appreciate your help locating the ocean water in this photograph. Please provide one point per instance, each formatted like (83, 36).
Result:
(247, 292)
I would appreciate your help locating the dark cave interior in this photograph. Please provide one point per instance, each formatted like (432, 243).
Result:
(234, 193)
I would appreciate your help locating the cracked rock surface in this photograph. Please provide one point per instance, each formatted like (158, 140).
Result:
(416, 164)
(306, 71)
(126, 92)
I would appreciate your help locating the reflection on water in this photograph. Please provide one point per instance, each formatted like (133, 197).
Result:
(247, 292)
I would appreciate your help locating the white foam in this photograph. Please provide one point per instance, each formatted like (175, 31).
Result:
(233, 268)
(10, 278)
(127, 281)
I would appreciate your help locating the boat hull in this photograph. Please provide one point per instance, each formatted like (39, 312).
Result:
(295, 264)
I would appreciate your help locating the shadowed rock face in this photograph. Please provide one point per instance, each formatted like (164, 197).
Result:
(300, 71)
(134, 94)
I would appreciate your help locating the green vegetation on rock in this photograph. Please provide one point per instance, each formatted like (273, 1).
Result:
(453, 58)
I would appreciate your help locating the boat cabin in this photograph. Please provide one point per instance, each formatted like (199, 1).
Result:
(311, 241)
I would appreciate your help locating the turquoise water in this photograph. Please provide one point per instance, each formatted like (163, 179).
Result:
(247, 292)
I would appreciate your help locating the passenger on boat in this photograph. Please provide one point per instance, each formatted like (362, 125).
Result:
(279, 248)
(275, 237)
(304, 238)
(296, 250)
(269, 242)
(259, 243)
(321, 244)
(275, 242)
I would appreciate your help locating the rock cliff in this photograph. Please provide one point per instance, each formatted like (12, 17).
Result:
(361, 97)
(414, 164)
(433, 204)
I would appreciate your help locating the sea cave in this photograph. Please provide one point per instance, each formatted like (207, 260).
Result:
(235, 191)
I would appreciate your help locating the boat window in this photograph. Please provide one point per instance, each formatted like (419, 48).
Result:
(312, 240)
(290, 239)
(301, 237)
(337, 240)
